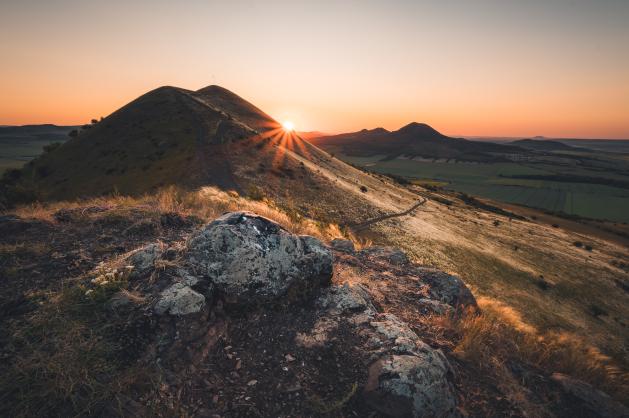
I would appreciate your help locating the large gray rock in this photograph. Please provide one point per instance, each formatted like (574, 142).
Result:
(411, 386)
(252, 260)
(448, 289)
(408, 378)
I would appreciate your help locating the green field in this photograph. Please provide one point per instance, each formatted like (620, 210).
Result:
(486, 180)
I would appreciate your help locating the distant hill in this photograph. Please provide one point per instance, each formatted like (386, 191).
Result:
(542, 145)
(46, 132)
(414, 139)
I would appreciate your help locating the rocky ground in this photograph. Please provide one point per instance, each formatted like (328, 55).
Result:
(239, 317)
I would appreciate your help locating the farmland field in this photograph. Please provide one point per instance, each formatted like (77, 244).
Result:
(492, 180)
(20, 144)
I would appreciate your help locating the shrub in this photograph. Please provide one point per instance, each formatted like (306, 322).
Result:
(255, 193)
(363, 189)
(578, 244)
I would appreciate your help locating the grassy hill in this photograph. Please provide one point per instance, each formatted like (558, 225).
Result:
(151, 142)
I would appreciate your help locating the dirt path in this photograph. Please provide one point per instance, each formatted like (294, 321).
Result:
(362, 225)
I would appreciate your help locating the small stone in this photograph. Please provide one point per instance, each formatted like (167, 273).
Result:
(289, 358)
(252, 382)
(343, 245)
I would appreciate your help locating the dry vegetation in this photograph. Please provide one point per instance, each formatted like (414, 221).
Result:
(498, 337)
(206, 203)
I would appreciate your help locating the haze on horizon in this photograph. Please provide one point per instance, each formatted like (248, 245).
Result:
(489, 67)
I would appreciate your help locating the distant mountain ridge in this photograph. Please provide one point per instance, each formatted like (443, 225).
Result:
(542, 144)
(46, 129)
(413, 140)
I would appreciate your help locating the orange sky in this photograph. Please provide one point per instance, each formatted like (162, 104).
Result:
(488, 67)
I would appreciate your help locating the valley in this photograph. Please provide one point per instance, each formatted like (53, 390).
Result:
(547, 175)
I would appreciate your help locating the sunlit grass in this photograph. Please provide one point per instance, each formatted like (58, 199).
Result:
(498, 336)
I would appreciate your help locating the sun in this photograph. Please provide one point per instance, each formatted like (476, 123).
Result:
(288, 126)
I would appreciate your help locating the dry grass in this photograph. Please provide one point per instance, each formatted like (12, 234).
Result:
(67, 358)
(498, 337)
(206, 203)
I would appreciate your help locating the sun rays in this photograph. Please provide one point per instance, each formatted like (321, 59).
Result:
(284, 139)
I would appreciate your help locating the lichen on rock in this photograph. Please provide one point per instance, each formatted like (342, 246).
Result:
(411, 386)
(253, 260)
(179, 299)
(143, 260)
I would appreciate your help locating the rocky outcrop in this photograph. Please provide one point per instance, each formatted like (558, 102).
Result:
(410, 378)
(448, 289)
(390, 255)
(411, 386)
(242, 260)
(346, 299)
(251, 260)
(344, 245)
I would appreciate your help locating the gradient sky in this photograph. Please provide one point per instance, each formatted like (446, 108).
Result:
(470, 67)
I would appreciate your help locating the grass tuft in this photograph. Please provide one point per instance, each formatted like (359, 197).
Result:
(498, 337)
